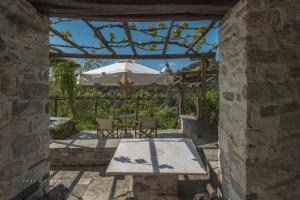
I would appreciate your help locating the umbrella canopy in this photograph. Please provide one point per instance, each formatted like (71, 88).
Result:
(125, 74)
(124, 71)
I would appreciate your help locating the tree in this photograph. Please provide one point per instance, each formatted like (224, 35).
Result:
(90, 64)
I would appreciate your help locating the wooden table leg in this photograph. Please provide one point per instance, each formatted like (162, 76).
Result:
(152, 187)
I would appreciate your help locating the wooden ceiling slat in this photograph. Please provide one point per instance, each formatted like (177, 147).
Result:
(166, 42)
(127, 31)
(214, 47)
(119, 10)
(139, 56)
(56, 49)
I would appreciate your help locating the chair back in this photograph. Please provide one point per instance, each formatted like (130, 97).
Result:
(105, 124)
(148, 123)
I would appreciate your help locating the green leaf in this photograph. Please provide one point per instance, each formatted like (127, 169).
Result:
(142, 42)
(200, 28)
(124, 39)
(151, 26)
(198, 46)
(162, 25)
(152, 47)
(184, 25)
(153, 33)
(66, 34)
(194, 36)
(176, 33)
(133, 25)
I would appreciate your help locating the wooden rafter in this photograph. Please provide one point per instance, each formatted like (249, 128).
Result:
(144, 56)
(136, 10)
(120, 44)
(57, 33)
(167, 38)
(83, 46)
(99, 35)
(56, 49)
(213, 48)
(208, 28)
(164, 42)
(130, 41)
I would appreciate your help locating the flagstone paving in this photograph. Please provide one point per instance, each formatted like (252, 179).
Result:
(94, 184)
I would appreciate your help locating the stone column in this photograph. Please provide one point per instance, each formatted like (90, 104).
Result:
(259, 122)
(154, 187)
(24, 119)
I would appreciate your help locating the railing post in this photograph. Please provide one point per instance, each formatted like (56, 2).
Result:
(55, 107)
(137, 105)
(96, 107)
(203, 117)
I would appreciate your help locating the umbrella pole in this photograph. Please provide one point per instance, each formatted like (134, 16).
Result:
(125, 87)
(125, 106)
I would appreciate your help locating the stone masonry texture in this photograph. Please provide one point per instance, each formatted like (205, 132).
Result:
(259, 132)
(155, 187)
(24, 134)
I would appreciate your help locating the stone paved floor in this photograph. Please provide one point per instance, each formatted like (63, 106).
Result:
(93, 184)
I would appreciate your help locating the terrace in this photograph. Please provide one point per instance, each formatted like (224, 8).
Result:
(252, 155)
(86, 149)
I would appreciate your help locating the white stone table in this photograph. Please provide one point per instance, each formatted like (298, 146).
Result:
(155, 165)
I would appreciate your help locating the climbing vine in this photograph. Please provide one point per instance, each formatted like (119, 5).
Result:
(63, 81)
(182, 34)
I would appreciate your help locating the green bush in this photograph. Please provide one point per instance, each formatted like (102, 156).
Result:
(212, 108)
(166, 117)
(61, 129)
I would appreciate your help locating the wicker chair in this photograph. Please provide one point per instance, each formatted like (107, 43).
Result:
(107, 128)
(146, 128)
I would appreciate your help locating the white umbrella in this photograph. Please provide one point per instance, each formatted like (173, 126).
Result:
(112, 75)
(124, 73)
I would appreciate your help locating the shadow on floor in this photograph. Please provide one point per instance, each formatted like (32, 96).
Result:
(91, 183)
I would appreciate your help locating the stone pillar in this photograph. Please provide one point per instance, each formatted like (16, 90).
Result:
(153, 187)
(259, 122)
(24, 119)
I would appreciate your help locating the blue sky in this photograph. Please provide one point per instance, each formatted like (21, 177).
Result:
(82, 35)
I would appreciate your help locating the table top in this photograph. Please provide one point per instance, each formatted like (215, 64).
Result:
(156, 156)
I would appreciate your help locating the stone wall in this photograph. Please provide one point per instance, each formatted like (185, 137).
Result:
(154, 187)
(259, 122)
(24, 120)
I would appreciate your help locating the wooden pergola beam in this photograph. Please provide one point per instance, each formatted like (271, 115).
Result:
(134, 10)
(56, 50)
(123, 56)
(130, 41)
(57, 33)
(166, 42)
(208, 28)
(99, 35)
(213, 48)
